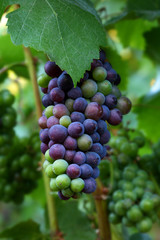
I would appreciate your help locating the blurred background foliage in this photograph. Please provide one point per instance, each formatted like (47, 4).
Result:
(133, 36)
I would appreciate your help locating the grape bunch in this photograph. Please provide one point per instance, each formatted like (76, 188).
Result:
(134, 201)
(19, 157)
(73, 124)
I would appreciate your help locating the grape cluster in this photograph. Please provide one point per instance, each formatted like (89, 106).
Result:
(134, 201)
(74, 128)
(18, 156)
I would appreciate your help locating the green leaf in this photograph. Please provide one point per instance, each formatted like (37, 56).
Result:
(140, 236)
(24, 230)
(148, 9)
(134, 30)
(148, 114)
(68, 31)
(73, 223)
(152, 44)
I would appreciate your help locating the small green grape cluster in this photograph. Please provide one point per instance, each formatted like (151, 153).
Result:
(134, 200)
(19, 157)
(126, 145)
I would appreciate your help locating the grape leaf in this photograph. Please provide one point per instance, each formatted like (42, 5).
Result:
(148, 9)
(68, 31)
(152, 44)
(148, 111)
(73, 223)
(134, 30)
(24, 230)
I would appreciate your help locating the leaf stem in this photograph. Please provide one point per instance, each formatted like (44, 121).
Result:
(7, 67)
(101, 207)
(50, 200)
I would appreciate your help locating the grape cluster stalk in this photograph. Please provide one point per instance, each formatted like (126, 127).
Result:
(74, 127)
(19, 157)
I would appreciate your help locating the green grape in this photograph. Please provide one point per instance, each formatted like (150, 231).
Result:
(63, 181)
(43, 80)
(113, 218)
(146, 205)
(144, 225)
(99, 74)
(134, 214)
(77, 185)
(119, 208)
(48, 157)
(49, 111)
(49, 171)
(105, 87)
(65, 121)
(59, 166)
(53, 185)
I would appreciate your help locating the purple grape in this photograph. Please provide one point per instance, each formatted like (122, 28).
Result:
(118, 80)
(96, 63)
(44, 90)
(90, 185)
(111, 101)
(102, 126)
(75, 93)
(77, 117)
(102, 55)
(97, 148)
(80, 104)
(42, 122)
(61, 196)
(44, 136)
(111, 75)
(57, 151)
(73, 171)
(95, 173)
(52, 84)
(58, 133)
(51, 121)
(51, 143)
(57, 95)
(52, 69)
(94, 111)
(85, 77)
(106, 113)
(65, 82)
(60, 110)
(105, 137)
(93, 159)
(46, 101)
(44, 147)
(95, 137)
(90, 126)
(104, 153)
(124, 105)
(107, 66)
(115, 117)
(69, 155)
(99, 98)
(86, 171)
(70, 143)
(79, 158)
(76, 129)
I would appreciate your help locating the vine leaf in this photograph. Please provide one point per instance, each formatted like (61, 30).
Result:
(24, 230)
(68, 31)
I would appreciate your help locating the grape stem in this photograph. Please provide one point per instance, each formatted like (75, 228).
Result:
(54, 229)
(7, 67)
(102, 215)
